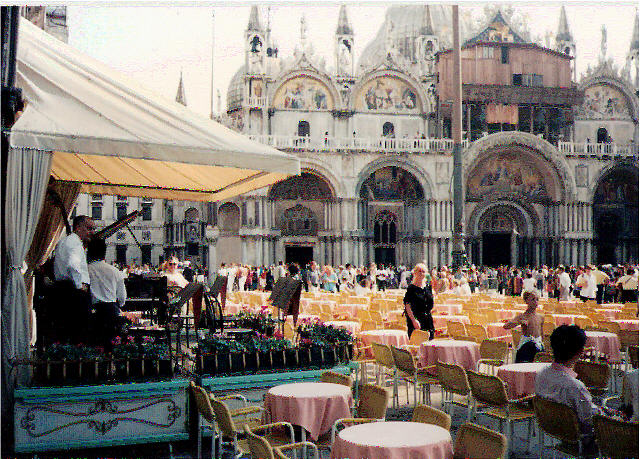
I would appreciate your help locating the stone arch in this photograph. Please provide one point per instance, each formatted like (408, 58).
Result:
(522, 213)
(631, 99)
(310, 185)
(422, 104)
(229, 217)
(418, 173)
(277, 91)
(530, 147)
(192, 215)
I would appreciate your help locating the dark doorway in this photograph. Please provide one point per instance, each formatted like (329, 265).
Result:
(496, 249)
(303, 129)
(300, 255)
(385, 255)
(388, 130)
(607, 235)
(603, 136)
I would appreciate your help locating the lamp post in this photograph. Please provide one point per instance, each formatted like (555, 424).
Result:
(458, 254)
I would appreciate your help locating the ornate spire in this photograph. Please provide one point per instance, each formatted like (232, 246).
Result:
(254, 19)
(563, 27)
(344, 28)
(634, 37)
(180, 97)
(427, 24)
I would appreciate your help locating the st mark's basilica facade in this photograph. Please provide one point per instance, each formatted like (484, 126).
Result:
(550, 160)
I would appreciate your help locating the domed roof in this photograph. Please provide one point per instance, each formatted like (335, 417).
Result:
(235, 92)
(407, 21)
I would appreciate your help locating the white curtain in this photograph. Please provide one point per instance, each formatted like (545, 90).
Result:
(28, 173)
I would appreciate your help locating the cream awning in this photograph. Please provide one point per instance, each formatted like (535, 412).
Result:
(115, 137)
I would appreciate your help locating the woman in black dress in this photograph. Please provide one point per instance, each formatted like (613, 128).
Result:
(418, 302)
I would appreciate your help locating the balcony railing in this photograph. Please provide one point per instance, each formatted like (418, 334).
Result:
(382, 144)
(257, 101)
(598, 150)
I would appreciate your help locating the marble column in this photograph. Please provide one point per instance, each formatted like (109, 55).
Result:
(243, 248)
(514, 250)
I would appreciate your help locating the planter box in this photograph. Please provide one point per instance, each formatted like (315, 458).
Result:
(48, 373)
(235, 363)
(99, 416)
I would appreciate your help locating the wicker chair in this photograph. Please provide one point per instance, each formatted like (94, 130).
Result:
(233, 430)
(477, 331)
(473, 440)
(543, 357)
(516, 336)
(627, 338)
(260, 448)
(430, 415)
(493, 353)
(583, 322)
(386, 367)
(417, 338)
(560, 422)
(547, 328)
(617, 439)
(633, 355)
(455, 328)
(612, 327)
(372, 407)
(453, 381)
(408, 370)
(336, 378)
(594, 375)
(490, 390)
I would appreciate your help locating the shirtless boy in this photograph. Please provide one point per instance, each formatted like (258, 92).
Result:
(531, 323)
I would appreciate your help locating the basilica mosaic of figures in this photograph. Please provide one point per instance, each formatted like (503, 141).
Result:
(303, 93)
(387, 93)
(391, 184)
(617, 189)
(306, 187)
(603, 102)
(507, 174)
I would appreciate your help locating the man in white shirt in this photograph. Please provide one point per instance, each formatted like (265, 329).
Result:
(587, 283)
(69, 318)
(70, 262)
(564, 283)
(108, 293)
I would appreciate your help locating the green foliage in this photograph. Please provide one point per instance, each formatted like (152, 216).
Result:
(316, 333)
(58, 352)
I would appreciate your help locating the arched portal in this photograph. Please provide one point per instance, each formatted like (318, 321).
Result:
(615, 217)
(503, 228)
(392, 213)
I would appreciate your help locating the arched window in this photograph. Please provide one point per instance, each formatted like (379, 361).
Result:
(567, 50)
(603, 135)
(388, 130)
(192, 215)
(384, 228)
(229, 217)
(303, 129)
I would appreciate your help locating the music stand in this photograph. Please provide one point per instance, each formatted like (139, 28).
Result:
(286, 297)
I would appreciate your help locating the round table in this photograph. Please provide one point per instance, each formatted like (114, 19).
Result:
(608, 313)
(314, 406)
(627, 324)
(393, 440)
(349, 309)
(565, 319)
(395, 338)
(441, 321)
(448, 308)
(605, 343)
(496, 330)
(352, 327)
(463, 353)
(520, 378)
(396, 314)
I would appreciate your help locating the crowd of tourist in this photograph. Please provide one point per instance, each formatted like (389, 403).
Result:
(604, 283)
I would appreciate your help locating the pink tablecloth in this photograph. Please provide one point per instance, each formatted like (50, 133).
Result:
(395, 338)
(353, 327)
(520, 378)
(496, 330)
(605, 343)
(314, 406)
(463, 353)
(441, 321)
(393, 440)
(349, 309)
(507, 313)
(448, 308)
(565, 319)
(627, 324)
(609, 313)
(396, 314)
